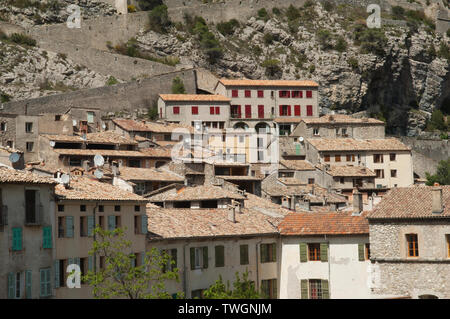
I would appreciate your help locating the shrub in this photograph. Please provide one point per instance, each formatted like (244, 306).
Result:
(371, 40)
(3, 35)
(62, 56)
(448, 33)
(312, 68)
(276, 11)
(353, 63)
(263, 14)
(147, 5)
(444, 51)
(208, 41)
(227, 28)
(111, 81)
(341, 44)
(159, 19)
(272, 67)
(178, 86)
(325, 39)
(292, 13)
(268, 38)
(20, 38)
(436, 122)
(131, 8)
(4, 97)
(328, 6)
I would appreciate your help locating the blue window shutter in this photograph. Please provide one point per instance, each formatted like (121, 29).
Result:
(111, 222)
(90, 221)
(70, 261)
(48, 282)
(56, 268)
(11, 286)
(143, 258)
(17, 238)
(144, 224)
(133, 262)
(91, 263)
(28, 283)
(69, 226)
(42, 282)
(47, 237)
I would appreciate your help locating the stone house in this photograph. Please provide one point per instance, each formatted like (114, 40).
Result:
(410, 243)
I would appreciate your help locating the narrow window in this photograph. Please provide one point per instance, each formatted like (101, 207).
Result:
(315, 289)
(234, 93)
(393, 173)
(29, 127)
(30, 146)
(314, 252)
(392, 157)
(243, 250)
(260, 93)
(269, 288)
(413, 247)
(327, 158)
(117, 208)
(337, 158)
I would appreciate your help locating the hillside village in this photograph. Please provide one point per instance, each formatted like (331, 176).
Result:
(226, 168)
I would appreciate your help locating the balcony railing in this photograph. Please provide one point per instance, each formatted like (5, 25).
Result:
(3, 215)
(34, 217)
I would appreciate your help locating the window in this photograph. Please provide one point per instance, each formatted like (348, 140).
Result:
(378, 158)
(412, 245)
(29, 127)
(269, 288)
(261, 111)
(17, 285)
(17, 239)
(260, 155)
(57, 118)
(101, 208)
(393, 173)
(285, 94)
(199, 257)
(234, 93)
(268, 253)
(344, 132)
(45, 283)
(260, 93)
(243, 253)
(315, 131)
(309, 94)
(220, 256)
(137, 208)
(248, 93)
(285, 110)
(448, 245)
(3, 126)
(367, 254)
(60, 208)
(241, 139)
(61, 227)
(211, 110)
(101, 263)
(194, 110)
(310, 181)
(113, 222)
(30, 146)
(297, 110)
(318, 289)
(248, 111)
(47, 237)
(326, 157)
(172, 261)
(379, 173)
(83, 226)
(117, 208)
(363, 252)
(342, 180)
(309, 110)
(74, 161)
(337, 158)
(392, 157)
(235, 111)
(217, 110)
(350, 158)
(32, 206)
(314, 252)
(90, 117)
(176, 110)
(82, 208)
(297, 94)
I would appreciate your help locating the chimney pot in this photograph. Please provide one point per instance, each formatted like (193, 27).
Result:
(231, 214)
(438, 204)
(357, 202)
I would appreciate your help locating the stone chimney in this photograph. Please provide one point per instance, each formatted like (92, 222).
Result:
(232, 213)
(357, 203)
(438, 204)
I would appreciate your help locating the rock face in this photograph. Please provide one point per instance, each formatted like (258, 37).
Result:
(408, 76)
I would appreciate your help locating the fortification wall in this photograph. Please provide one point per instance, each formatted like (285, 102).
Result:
(8, 28)
(126, 97)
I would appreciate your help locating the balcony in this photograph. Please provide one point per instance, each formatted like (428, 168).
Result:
(33, 215)
(3, 215)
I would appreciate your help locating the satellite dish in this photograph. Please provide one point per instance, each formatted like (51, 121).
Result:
(301, 139)
(98, 173)
(83, 137)
(74, 122)
(14, 157)
(99, 160)
(103, 125)
(65, 178)
(52, 143)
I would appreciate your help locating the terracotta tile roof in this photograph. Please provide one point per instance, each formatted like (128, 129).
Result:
(166, 143)
(157, 152)
(189, 223)
(194, 97)
(203, 192)
(245, 82)
(261, 169)
(289, 181)
(340, 118)
(347, 170)
(298, 165)
(155, 127)
(148, 174)
(239, 178)
(314, 193)
(9, 175)
(287, 119)
(107, 137)
(10, 150)
(410, 202)
(86, 188)
(113, 153)
(324, 223)
(350, 144)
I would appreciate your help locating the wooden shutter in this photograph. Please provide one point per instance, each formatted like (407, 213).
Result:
(205, 257)
(91, 263)
(219, 256)
(309, 110)
(274, 252)
(361, 253)
(11, 286)
(303, 252)
(192, 252)
(304, 288)
(274, 289)
(297, 110)
(289, 110)
(239, 111)
(211, 110)
(28, 279)
(248, 111)
(281, 110)
(144, 224)
(217, 110)
(56, 269)
(47, 237)
(244, 254)
(69, 226)
(263, 253)
(17, 239)
(324, 252)
(265, 288)
(261, 111)
(90, 225)
(111, 222)
(42, 283)
(325, 290)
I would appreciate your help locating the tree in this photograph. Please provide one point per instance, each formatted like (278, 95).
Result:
(436, 121)
(442, 175)
(325, 37)
(120, 277)
(272, 67)
(159, 19)
(243, 289)
(147, 5)
(178, 86)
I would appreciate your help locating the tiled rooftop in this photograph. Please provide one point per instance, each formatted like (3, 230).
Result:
(342, 119)
(411, 202)
(350, 144)
(245, 82)
(194, 97)
(324, 223)
(347, 170)
(157, 152)
(148, 174)
(298, 165)
(287, 119)
(203, 192)
(9, 175)
(107, 137)
(140, 126)
(113, 153)
(314, 193)
(86, 188)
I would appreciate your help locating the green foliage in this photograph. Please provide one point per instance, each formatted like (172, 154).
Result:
(152, 112)
(353, 63)
(208, 41)
(276, 11)
(263, 14)
(444, 51)
(341, 44)
(4, 97)
(268, 38)
(448, 33)
(22, 39)
(272, 67)
(436, 122)
(442, 175)
(178, 86)
(292, 13)
(412, 17)
(325, 39)
(131, 8)
(370, 40)
(312, 68)
(147, 5)
(227, 28)
(111, 81)
(159, 19)
(328, 6)
(243, 289)
(120, 278)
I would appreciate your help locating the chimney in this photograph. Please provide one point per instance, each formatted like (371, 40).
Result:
(438, 204)
(357, 203)
(232, 214)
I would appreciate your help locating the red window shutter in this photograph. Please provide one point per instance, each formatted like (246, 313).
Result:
(195, 110)
(239, 111)
(289, 110)
(234, 93)
(281, 110)
(260, 93)
(301, 94)
(211, 110)
(217, 110)
(248, 93)
(176, 110)
(160, 113)
(261, 111)
(288, 93)
(281, 93)
(308, 94)
(309, 110)
(297, 110)
(248, 111)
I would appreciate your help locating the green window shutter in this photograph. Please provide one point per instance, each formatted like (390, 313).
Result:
(244, 254)
(205, 257)
(143, 258)
(56, 269)
(173, 253)
(263, 248)
(304, 288)
(69, 226)
(133, 262)
(47, 237)
(144, 224)
(28, 283)
(91, 225)
(17, 238)
(91, 263)
(303, 252)
(192, 252)
(274, 252)
(325, 290)
(265, 288)
(111, 222)
(220, 256)
(324, 252)
(42, 283)
(361, 254)
(274, 289)
(11, 286)
(48, 281)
